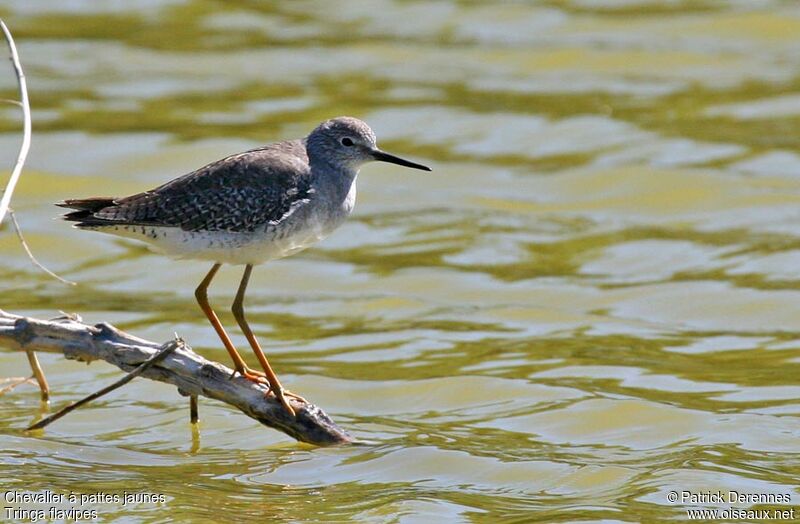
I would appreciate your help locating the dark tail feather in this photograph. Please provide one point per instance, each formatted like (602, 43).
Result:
(85, 210)
(87, 204)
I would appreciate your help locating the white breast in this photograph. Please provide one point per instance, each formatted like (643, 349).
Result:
(350, 199)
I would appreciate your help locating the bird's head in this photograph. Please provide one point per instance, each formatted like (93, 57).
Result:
(348, 143)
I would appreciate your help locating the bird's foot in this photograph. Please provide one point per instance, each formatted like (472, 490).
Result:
(294, 396)
(252, 375)
(281, 395)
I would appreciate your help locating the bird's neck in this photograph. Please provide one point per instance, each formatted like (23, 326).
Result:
(337, 182)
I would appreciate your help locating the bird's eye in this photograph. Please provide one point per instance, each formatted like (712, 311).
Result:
(347, 142)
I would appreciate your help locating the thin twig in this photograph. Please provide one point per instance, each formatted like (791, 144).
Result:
(38, 373)
(26, 116)
(165, 350)
(27, 249)
(193, 415)
(14, 382)
(5, 202)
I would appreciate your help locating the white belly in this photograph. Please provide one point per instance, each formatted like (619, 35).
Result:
(220, 246)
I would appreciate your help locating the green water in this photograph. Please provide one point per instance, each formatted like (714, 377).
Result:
(592, 301)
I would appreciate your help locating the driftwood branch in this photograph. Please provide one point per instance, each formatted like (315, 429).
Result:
(183, 368)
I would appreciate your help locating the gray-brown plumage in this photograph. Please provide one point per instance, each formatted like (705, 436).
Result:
(238, 193)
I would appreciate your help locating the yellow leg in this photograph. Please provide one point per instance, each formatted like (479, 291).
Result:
(201, 293)
(238, 313)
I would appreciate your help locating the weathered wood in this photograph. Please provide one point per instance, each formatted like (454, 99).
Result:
(183, 368)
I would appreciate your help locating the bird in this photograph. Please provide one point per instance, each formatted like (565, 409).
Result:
(246, 209)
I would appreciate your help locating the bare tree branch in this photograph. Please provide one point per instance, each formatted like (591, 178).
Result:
(188, 371)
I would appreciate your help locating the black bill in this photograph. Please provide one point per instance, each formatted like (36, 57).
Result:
(382, 156)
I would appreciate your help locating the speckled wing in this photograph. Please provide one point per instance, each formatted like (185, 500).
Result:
(239, 193)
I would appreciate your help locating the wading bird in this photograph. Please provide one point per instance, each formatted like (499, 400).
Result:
(246, 209)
